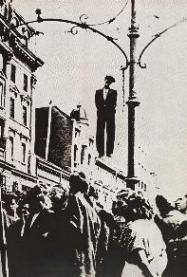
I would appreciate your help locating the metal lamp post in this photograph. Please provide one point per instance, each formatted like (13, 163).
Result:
(132, 100)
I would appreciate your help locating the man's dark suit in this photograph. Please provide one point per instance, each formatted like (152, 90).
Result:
(105, 117)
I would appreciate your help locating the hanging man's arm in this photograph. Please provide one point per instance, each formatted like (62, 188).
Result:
(114, 98)
(97, 100)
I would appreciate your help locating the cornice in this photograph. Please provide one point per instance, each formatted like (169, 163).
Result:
(21, 51)
(52, 168)
(105, 166)
(5, 165)
(24, 54)
(16, 131)
(24, 175)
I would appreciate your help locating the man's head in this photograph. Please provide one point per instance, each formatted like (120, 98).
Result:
(59, 197)
(78, 182)
(11, 203)
(36, 200)
(109, 80)
(181, 204)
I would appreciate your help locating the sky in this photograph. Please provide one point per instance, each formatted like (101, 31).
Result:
(75, 66)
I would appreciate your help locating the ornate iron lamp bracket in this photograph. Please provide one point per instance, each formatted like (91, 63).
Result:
(156, 36)
(83, 25)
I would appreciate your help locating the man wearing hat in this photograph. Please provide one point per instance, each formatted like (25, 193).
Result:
(105, 101)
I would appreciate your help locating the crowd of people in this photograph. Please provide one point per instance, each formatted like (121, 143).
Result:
(64, 232)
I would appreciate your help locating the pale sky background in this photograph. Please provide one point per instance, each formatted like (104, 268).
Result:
(75, 67)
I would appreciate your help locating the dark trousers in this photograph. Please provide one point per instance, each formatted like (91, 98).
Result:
(105, 120)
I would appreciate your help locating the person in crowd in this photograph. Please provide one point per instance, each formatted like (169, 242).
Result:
(14, 237)
(171, 217)
(92, 196)
(103, 258)
(59, 197)
(62, 245)
(86, 223)
(111, 251)
(11, 221)
(143, 256)
(11, 206)
(163, 205)
(167, 219)
(23, 209)
(114, 255)
(4, 268)
(35, 231)
(173, 223)
(181, 204)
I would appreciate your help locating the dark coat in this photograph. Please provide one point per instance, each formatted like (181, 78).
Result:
(63, 241)
(87, 230)
(36, 246)
(107, 105)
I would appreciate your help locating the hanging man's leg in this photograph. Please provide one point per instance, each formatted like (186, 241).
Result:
(110, 134)
(100, 135)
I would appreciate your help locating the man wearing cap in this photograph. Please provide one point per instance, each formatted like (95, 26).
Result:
(105, 101)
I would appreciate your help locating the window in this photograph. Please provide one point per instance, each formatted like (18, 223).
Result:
(13, 73)
(25, 82)
(90, 142)
(12, 107)
(77, 133)
(83, 150)
(2, 139)
(11, 147)
(2, 95)
(2, 126)
(23, 149)
(75, 152)
(1, 62)
(75, 155)
(25, 115)
(89, 159)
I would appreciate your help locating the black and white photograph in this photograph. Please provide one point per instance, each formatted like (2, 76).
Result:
(93, 138)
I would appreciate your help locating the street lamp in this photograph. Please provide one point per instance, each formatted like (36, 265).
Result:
(132, 100)
(131, 63)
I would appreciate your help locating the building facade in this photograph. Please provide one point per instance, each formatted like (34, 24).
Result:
(107, 181)
(53, 136)
(83, 144)
(53, 146)
(17, 83)
(148, 183)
